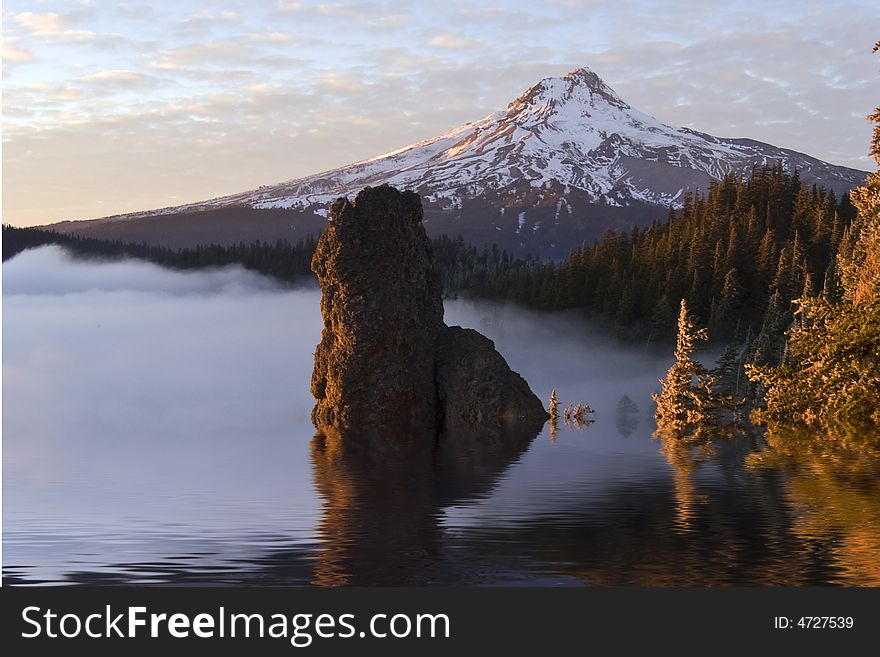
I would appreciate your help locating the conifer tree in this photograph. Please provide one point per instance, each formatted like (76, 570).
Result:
(686, 396)
(553, 406)
(553, 409)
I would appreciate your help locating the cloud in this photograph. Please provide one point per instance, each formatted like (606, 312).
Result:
(205, 21)
(390, 22)
(66, 94)
(40, 24)
(749, 84)
(371, 12)
(501, 17)
(37, 104)
(210, 53)
(12, 53)
(272, 37)
(116, 79)
(450, 41)
(50, 26)
(264, 88)
(345, 10)
(340, 83)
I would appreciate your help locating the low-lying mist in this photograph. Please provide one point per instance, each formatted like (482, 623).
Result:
(563, 351)
(139, 399)
(159, 383)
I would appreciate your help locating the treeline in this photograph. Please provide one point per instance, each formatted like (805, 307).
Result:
(283, 260)
(738, 255)
(461, 267)
(468, 270)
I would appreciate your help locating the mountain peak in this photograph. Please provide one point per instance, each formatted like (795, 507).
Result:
(587, 78)
(581, 85)
(584, 75)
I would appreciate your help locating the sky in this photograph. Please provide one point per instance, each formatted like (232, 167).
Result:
(113, 106)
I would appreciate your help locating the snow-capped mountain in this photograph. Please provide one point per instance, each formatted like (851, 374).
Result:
(564, 161)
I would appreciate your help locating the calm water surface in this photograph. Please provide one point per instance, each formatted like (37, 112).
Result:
(156, 431)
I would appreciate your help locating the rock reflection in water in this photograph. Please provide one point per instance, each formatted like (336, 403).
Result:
(382, 501)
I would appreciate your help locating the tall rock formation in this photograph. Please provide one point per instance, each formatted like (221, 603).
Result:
(387, 365)
(382, 308)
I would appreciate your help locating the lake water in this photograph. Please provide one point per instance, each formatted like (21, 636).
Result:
(156, 431)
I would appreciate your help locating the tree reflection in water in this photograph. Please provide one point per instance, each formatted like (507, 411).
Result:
(832, 489)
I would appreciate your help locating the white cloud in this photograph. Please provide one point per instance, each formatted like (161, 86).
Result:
(264, 88)
(390, 22)
(40, 24)
(215, 52)
(205, 21)
(346, 10)
(49, 26)
(453, 42)
(349, 11)
(116, 78)
(272, 37)
(340, 83)
(12, 53)
(66, 93)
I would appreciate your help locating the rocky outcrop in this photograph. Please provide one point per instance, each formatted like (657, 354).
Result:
(382, 309)
(476, 387)
(387, 365)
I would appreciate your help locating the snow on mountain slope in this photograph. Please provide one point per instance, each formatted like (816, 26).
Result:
(572, 132)
(565, 161)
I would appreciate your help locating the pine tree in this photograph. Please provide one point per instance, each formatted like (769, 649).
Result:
(553, 409)
(553, 406)
(662, 320)
(729, 371)
(686, 396)
(729, 308)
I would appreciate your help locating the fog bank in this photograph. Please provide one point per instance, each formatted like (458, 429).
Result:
(140, 401)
